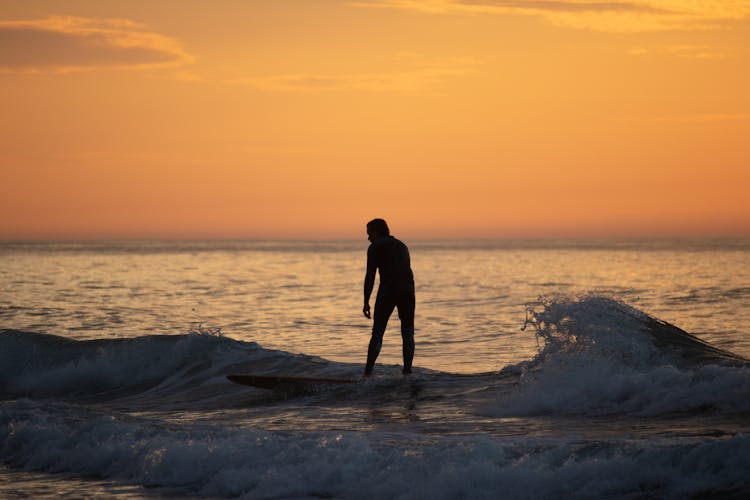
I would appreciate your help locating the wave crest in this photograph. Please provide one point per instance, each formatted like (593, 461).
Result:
(152, 367)
(601, 356)
(608, 326)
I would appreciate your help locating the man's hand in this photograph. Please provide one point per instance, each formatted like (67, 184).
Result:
(366, 311)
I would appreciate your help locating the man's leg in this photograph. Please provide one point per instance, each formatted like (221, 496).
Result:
(406, 315)
(383, 309)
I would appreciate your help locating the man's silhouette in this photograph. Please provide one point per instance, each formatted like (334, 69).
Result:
(396, 289)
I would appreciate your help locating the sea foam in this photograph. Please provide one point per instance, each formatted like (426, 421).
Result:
(217, 460)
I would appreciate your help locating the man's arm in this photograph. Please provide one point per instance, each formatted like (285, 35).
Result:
(369, 281)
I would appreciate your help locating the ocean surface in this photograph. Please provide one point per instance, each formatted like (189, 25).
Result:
(544, 369)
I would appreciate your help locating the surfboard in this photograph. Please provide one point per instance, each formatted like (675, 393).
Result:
(286, 381)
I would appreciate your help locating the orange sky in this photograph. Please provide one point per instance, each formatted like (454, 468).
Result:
(304, 119)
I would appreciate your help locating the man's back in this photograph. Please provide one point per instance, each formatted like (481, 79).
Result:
(391, 257)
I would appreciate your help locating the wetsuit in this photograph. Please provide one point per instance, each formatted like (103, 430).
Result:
(391, 257)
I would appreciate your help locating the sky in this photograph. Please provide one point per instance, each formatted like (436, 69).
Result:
(305, 119)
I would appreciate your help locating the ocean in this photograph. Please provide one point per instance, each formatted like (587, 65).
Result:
(543, 369)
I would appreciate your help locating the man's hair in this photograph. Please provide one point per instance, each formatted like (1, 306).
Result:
(379, 226)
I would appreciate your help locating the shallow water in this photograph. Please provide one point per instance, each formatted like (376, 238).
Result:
(113, 360)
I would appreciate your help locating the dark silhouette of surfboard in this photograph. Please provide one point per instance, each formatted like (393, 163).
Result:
(275, 382)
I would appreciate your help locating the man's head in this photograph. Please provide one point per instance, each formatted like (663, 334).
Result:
(377, 228)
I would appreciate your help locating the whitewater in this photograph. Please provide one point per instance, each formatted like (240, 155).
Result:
(544, 369)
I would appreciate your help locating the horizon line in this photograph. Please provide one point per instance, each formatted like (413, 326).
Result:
(260, 239)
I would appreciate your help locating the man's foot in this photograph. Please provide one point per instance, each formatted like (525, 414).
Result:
(406, 371)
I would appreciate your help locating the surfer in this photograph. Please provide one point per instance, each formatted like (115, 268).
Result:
(396, 290)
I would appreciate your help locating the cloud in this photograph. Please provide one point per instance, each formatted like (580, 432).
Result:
(495, 6)
(64, 44)
(681, 51)
(600, 15)
(422, 76)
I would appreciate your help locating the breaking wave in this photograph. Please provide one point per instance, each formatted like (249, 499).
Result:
(599, 356)
(159, 369)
